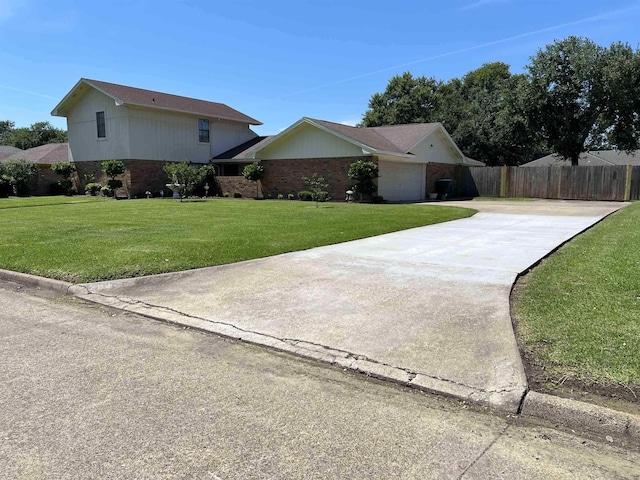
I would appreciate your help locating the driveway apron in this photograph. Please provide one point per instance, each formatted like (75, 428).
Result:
(431, 301)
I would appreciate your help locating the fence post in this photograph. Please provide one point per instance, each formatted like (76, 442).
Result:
(503, 182)
(559, 196)
(627, 183)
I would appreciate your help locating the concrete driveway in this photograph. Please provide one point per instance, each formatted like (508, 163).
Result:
(427, 307)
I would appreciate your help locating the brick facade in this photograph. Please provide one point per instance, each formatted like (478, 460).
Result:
(139, 176)
(284, 176)
(235, 183)
(438, 171)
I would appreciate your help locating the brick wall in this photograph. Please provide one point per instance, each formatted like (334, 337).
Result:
(139, 176)
(284, 176)
(235, 184)
(438, 171)
(42, 183)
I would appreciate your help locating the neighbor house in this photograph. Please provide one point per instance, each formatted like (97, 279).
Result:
(145, 129)
(589, 159)
(45, 183)
(410, 157)
(7, 151)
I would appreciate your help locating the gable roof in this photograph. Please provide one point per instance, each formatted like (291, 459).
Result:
(7, 151)
(44, 154)
(392, 139)
(592, 158)
(124, 95)
(242, 150)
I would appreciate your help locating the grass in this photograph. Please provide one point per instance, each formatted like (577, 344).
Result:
(510, 199)
(82, 242)
(579, 311)
(18, 202)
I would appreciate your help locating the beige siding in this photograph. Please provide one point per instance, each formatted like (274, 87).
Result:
(227, 135)
(161, 135)
(436, 148)
(308, 141)
(145, 133)
(84, 144)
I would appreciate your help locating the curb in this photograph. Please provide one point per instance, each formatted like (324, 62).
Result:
(581, 416)
(35, 281)
(563, 412)
(507, 400)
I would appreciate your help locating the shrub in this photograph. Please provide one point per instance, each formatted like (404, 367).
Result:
(112, 168)
(17, 174)
(253, 173)
(280, 196)
(92, 188)
(305, 196)
(237, 195)
(321, 196)
(226, 194)
(364, 172)
(377, 199)
(291, 196)
(106, 191)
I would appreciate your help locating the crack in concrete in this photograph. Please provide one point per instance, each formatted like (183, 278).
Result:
(303, 344)
(483, 453)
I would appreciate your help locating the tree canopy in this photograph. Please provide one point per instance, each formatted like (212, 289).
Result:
(39, 133)
(575, 96)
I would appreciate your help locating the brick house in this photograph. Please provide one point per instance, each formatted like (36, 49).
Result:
(145, 129)
(410, 158)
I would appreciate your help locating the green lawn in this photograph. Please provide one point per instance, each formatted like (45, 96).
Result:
(110, 239)
(579, 311)
(44, 201)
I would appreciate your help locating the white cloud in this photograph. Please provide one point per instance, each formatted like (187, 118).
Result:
(482, 3)
(349, 122)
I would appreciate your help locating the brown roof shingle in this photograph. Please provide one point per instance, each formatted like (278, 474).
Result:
(149, 98)
(392, 138)
(44, 154)
(589, 159)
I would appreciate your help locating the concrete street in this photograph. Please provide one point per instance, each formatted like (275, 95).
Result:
(91, 392)
(427, 307)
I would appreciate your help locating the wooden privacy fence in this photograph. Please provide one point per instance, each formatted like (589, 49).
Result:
(615, 182)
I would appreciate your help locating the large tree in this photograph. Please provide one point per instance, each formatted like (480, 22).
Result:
(583, 96)
(482, 111)
(39, 133)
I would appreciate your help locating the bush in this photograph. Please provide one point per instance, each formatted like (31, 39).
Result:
(364, 172)
(18, 174)
(305, 196)
(377, 199)
(106, 191)
(237, 195)
(226, 194)
(320, 196)
(92, 188)
(291, 196)
(280, 196)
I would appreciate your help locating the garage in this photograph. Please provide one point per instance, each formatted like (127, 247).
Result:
(401, 182)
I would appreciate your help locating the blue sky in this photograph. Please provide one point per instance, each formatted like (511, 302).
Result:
(277, 61)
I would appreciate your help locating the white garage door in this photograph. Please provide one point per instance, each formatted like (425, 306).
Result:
(401, 181)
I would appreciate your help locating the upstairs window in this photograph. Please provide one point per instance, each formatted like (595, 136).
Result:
(203, 130)
(102, 127)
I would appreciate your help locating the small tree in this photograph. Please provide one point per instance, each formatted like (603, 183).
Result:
(17, 175)
(317, 186)
(183, 176)
(65, 170)
(364, 172)
(254, 173)
(113, 168)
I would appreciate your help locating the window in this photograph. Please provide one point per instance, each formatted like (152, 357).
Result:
(102, 127)
(203, 130)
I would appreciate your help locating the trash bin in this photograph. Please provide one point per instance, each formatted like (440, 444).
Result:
(444, 188)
